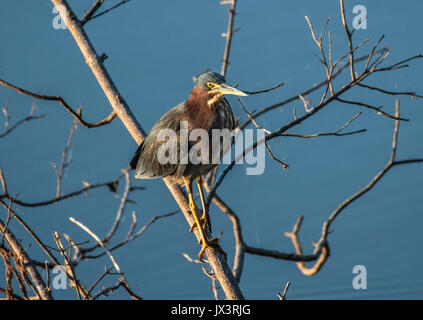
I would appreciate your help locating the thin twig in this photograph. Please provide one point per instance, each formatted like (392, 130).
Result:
(304, 93)
(65, 159)
(283, 295)
(123, 282)
(251, 118)
(105, 273)
(265, 90)
(68, 265)
(228, 35)
(3, 181)
(393, 93)
(121, 208)
(377, 109)
(111, 185)
(30, 231)
(349, 37)
(91, 12)
(284, 165)
(296, 122)
(29, 118)
(92, 17)
(37, 284)
(98, 240)
(63, 103)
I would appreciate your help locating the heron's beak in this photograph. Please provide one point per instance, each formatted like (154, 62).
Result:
(225, 89)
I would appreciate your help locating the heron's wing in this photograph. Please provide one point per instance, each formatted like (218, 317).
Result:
(146, 158)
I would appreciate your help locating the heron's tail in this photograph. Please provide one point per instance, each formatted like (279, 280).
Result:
(135, 158)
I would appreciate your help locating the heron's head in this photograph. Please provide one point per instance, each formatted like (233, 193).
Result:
(216, 87)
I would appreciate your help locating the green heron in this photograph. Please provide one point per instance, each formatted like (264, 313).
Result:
(206, 108)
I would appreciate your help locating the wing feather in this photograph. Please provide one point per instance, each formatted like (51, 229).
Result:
(145, 159)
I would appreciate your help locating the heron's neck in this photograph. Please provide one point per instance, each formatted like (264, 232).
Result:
(202, 115)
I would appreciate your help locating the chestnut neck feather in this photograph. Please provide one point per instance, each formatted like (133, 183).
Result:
(201, 115)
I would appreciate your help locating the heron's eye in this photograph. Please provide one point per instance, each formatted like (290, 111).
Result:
(210, 85)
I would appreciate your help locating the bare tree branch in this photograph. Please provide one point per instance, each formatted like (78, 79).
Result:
(63, 103)
(3, 181)
(30, 231)
(321, 251)
(111, 185)
(68, 265)
(377, 109)
(29, 118)
(393, 93)
(38, 286)
(130, 236)
(85, 19)
(265, 90)
(123, 282)
(105, 273)
(87, 16)
(391, 163)
(285, 291)
(228, 35)
(299, 120)
(121, 208)
(304, 93)
(296, 242)
(65, 159)
(349, 37)
(239, 242)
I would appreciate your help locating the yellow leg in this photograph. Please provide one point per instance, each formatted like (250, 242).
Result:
(205, 218)
(194, 224)
(193, 208)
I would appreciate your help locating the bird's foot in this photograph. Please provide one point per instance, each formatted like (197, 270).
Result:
(211, 243)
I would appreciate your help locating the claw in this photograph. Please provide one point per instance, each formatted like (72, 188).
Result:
(211, 243)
